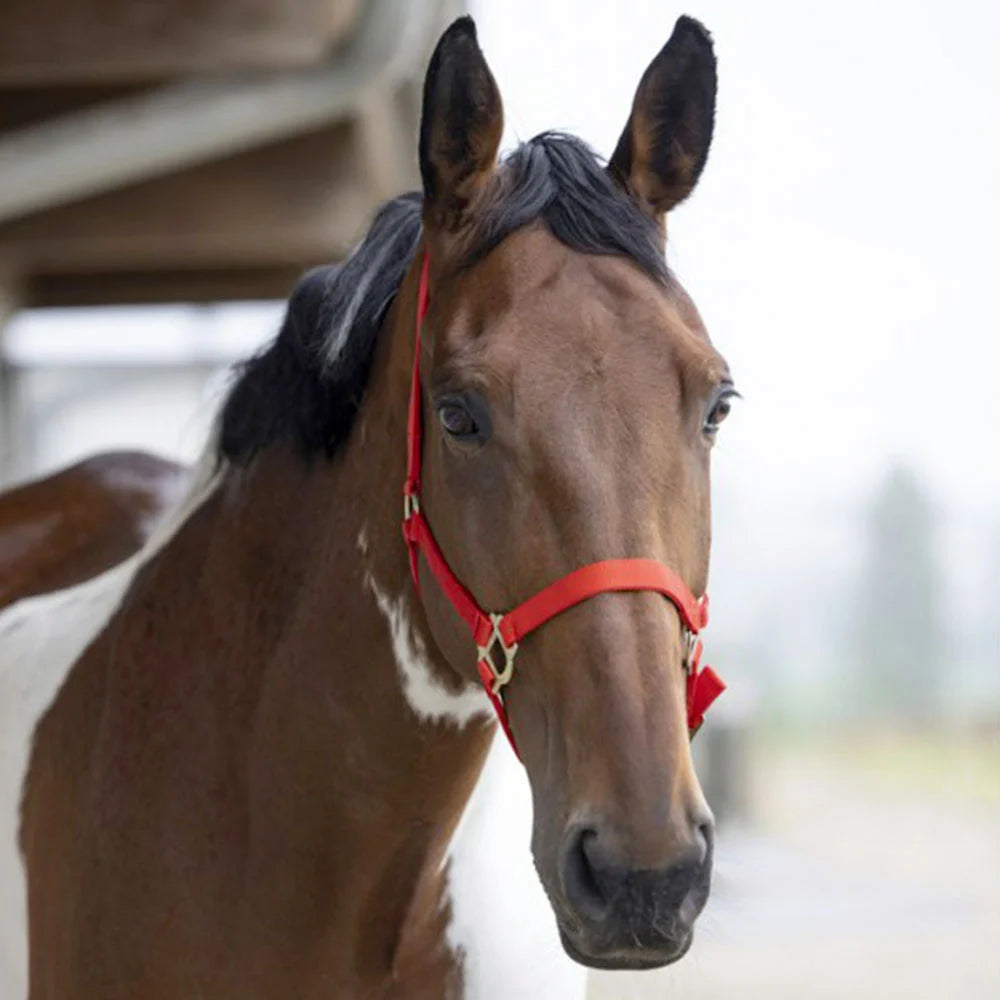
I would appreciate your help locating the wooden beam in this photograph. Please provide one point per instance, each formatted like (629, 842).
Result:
(295, 200)
(221, 284)
(176, 126)
(74, 41)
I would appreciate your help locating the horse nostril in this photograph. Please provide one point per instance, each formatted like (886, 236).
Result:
(615, 899)
(579, 878)
(704, 835)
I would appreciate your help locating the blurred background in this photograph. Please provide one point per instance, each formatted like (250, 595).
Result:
(168, 168)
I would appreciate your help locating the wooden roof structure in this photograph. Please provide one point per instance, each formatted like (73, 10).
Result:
(195, 150)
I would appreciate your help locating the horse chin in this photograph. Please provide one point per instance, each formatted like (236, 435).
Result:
(623, 959)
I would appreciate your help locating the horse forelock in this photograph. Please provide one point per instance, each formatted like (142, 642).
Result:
(307, 386)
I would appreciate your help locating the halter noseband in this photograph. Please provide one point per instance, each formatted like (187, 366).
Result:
(497, 635)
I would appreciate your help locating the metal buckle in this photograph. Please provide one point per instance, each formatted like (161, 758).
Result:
(485, 654)
(411, 505)
(690, 645)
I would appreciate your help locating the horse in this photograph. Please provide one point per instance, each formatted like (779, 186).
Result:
(67, 527)
(257, 758)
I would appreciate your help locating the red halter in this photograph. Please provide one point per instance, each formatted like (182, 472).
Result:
(497, 635)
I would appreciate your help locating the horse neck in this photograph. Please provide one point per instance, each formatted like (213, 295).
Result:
(304, 590)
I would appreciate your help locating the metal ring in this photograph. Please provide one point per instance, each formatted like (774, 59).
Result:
(500, 677)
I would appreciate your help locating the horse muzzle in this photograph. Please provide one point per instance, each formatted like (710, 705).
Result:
(615, 916)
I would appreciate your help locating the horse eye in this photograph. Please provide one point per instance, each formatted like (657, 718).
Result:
(720, 410)
(457, 420)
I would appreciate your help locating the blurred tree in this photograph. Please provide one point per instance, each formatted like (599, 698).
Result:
(897, 633)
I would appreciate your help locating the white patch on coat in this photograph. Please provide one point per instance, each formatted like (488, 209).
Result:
(501, 921)
(424, 692)
(41, 638)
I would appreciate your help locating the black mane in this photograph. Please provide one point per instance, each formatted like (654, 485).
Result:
(307, 386)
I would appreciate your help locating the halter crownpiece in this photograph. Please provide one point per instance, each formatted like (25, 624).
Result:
(497, 635)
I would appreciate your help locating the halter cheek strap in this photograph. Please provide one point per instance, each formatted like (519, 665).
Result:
(497, 635)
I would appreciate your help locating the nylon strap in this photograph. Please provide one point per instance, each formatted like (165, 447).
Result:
(600, 577)
(505, 631)
(418, 535)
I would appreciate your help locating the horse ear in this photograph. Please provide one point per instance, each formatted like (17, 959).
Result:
(460, 128)
(663, 148)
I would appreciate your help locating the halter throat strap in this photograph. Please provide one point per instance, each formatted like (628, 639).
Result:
(497, 635)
